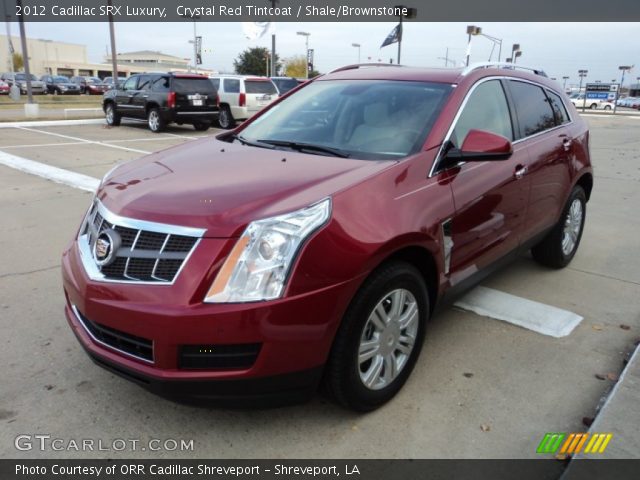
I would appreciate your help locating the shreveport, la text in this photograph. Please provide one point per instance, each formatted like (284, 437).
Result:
(178, 469)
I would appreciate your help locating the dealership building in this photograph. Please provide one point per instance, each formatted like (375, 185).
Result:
(70, 59)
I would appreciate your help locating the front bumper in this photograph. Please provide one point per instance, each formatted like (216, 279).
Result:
(295, 334)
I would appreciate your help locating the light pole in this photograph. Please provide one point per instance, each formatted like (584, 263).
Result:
(582, 74)
(357, 45)
(623, 68)
(306, 36)
(564, 85)
(471, 30)
(496, 41)
(112, 37)
(515, 52)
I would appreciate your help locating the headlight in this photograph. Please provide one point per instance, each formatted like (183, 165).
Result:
(258, 265)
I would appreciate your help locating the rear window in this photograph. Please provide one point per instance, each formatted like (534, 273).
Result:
(260, 86)
(285, 84)
(188, 85)
(532, 107)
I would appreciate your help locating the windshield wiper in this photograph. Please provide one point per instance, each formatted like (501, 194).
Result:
(300, 146)
(244, 141)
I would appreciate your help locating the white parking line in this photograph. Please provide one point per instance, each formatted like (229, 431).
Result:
(53, 123)
(525, 313)
(84, 140)
(62, 144)
(58, 175)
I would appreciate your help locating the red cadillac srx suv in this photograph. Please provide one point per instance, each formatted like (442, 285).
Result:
(311, 244)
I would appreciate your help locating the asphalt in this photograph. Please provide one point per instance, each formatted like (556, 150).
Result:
(481, 389)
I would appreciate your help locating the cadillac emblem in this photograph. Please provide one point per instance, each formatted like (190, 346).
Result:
(105, 247)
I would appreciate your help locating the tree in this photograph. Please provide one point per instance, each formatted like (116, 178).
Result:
(253, 61)
(296, 66)
(18, 62)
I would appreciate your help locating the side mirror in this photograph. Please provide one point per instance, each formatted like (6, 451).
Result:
(481, 146)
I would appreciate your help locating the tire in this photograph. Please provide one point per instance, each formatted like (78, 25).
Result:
(155, 121)
(607, 107)
(365, 386)
(112, 117)
(202, 126)
(225, 118)
(593, 106)
(558, 248)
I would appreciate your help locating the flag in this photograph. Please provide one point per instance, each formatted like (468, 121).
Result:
(394, 37)
(256, 30)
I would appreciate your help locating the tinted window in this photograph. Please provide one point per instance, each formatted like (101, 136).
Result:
(260, 86)
(285, 84)
(231, 85)
(216, 83)
(60, 79)
(131, 83)
(160, 84)
(559, 110)
(145, 82)
(192, 85)
(365, 119)
(486, 109)
(532, 107)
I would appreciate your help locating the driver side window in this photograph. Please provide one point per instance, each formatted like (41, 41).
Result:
(486, 109)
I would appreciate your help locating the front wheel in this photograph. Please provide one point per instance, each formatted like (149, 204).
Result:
(607, 107)
(380, 338)
(558, 248)
(112, 117)
(155, 121)
(593, 106)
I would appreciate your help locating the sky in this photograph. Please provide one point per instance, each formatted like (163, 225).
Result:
(560, 49)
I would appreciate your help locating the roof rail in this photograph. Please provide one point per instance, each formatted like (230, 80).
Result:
(511, 66)
(364, 65)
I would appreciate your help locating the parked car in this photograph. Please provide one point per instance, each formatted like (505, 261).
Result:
(81, 82)
(284, 84)
(591, 103)
(4, 88)
(242, 96)
(20, 79)
(108, 81)
(163, 98)
(60, 85)
(313, 242)
(95, 86)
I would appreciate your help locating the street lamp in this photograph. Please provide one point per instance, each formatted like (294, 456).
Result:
(582, 74)
(515, 52)
(357, 45)
(474, 30)
(564, 85)
(306, 56)
(623, 69)
(471, 30)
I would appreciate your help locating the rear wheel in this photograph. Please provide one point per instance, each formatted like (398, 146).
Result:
(202, 126)
(593, 106)
(155, 121)
(380, 338)
(557, 249)
(112, 117)
(225, 118)
(607, 107)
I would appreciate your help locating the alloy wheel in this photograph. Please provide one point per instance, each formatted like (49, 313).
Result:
(572, 227)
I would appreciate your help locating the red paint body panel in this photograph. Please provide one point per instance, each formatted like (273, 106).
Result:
(378, 209)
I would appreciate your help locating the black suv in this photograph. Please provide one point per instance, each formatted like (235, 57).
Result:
(163, 98)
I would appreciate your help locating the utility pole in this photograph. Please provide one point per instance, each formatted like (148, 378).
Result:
(582, 74)
(564, 85)
(623, 68)
(25, 55)
(112, 36)
(273, 45)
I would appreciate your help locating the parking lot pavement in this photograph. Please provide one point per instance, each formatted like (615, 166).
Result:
(482, 388)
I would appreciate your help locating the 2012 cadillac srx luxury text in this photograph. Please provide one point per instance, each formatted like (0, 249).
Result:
(311, 244)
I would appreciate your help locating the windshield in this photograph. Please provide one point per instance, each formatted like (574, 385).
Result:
(23, 76)
(60, 79)
(94, 80)
(364, 119)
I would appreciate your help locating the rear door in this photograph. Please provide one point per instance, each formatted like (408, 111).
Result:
(194, 94)
(545, 131)
(490, 197)
(259, 92)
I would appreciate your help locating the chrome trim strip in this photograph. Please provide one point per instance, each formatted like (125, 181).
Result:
(505, 65)
(452, 127)
(106, 345)
(213, 112)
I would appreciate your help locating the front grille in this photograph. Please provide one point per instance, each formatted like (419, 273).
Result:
(218, 357)
(145, 255)
(123, 342)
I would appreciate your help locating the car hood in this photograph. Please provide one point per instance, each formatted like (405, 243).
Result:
(221, 187)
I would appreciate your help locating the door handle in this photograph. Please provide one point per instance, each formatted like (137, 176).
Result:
(566, 143)
(521, 171)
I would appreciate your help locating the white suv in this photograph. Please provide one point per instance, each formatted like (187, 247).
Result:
(242, 96)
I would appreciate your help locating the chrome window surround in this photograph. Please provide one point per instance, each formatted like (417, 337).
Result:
(86, 255)
(106, 345)
(434, 170)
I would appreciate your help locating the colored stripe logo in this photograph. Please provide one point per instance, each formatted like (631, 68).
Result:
(573, 443)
